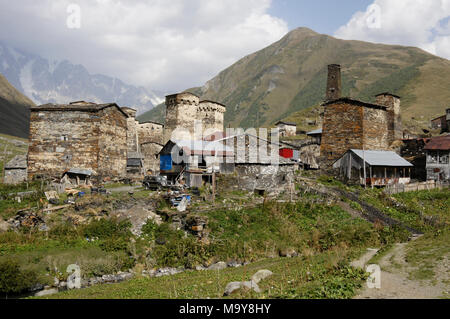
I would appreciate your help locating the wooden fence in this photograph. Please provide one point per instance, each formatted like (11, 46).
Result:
(414, 187)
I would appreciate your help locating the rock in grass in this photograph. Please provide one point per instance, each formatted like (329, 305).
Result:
(261, 275)
(235, 286)
(46, 292)
(219, 266)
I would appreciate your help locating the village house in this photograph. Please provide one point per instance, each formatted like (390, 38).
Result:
(286, 129)
(352, 124)
(315, 136)
(382, 168)
(79, 135)
(438, 158)
(193, 160)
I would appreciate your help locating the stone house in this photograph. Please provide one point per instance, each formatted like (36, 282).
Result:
(352, 124)
(438, 158)
(286, 129)
(439, 123)
(16, 170)
(78, 135)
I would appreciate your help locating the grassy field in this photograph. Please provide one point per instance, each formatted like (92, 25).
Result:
(325, 237)
(321, 276)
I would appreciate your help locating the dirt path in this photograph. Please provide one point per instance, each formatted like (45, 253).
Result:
(395, 283)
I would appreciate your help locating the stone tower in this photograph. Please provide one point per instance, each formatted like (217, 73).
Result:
(211, 114)
(132, 124)
(181, 115)
(334, 83)
(394, 119)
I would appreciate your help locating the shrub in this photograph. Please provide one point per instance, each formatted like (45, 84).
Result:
(14, 280)
(107, 228)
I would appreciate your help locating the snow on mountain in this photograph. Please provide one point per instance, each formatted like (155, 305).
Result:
(45, 81)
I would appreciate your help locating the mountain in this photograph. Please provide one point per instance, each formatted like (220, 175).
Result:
(14, 110)
(290, 75)
(47, 81)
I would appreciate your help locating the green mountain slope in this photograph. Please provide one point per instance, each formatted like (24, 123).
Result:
(14, 110)
(290, 75)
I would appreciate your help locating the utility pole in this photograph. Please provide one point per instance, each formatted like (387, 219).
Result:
(214, 185)
(364, 163)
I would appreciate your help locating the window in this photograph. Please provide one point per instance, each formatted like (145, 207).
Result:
(432, 157)
(444, 158)
(64, 138)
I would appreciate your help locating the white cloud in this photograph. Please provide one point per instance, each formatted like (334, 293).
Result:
(421, 23)
(165, 45)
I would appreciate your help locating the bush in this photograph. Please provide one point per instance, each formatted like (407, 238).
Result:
(14, 280)
(107, 228)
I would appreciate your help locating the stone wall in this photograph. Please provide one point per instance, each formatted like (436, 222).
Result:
(211, 115)
(112, 160)
(61, 140)
(376, 133)
(151, 132)
(150, 151)
(394, 119)
(342, 130)
(181, 114)
(187, 118)
(15, 176)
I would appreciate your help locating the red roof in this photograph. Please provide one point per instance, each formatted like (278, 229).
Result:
(441, 143)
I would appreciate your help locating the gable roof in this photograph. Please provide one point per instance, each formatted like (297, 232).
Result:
(382, 158)
(315, 132)
(440, 143)
(286, 123)
(354, 102)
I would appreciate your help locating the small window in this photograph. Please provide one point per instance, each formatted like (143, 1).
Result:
(64, 138)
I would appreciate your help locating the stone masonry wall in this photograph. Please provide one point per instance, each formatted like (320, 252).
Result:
(150, 152)
(376, 135)
(212, 117)
(151, 132)
(62, 140)
(342, 130)
(112, 160)
(181, 114)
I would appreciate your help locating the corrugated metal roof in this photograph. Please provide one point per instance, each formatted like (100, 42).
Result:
(198, 147)
(382, 158)
(440, 143)
(315, 132)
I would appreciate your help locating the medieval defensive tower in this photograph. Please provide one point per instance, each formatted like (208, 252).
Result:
(334, 84)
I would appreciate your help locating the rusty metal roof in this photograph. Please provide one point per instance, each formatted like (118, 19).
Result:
(441, 143)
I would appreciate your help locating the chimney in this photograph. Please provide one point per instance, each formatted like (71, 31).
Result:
(334, 83)
(392, 102)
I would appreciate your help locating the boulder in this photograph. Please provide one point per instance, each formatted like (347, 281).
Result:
(219, 266)
(46, 292)
(288, 253)
(261, 275)
(235, 286)
(4, 226)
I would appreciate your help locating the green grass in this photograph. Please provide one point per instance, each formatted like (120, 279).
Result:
(316, 277)
(427, 252)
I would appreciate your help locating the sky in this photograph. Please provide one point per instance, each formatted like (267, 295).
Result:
(172, 45)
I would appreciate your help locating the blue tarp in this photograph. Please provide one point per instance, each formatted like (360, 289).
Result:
(166, 163)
